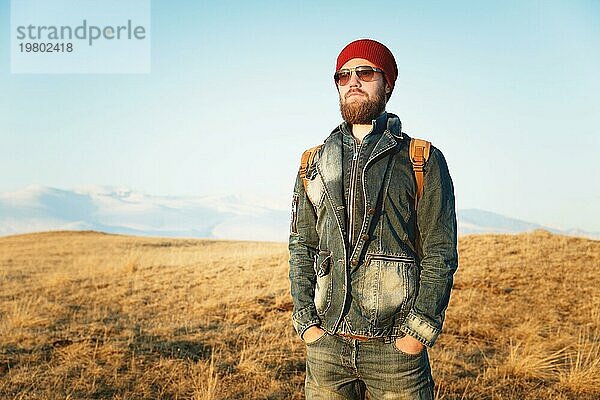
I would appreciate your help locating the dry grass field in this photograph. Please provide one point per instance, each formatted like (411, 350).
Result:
(85, 315)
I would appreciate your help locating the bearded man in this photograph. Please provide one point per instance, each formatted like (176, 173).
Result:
(372, 256)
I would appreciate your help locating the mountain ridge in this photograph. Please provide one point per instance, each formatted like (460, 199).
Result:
(114, 209)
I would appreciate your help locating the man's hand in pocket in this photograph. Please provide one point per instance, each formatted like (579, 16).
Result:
(312, 334)
(409, 345)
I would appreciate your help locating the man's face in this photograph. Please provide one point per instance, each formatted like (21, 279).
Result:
(360, 101)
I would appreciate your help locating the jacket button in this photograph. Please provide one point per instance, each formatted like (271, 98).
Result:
(365, 237)
(371, 211)
(354, 262)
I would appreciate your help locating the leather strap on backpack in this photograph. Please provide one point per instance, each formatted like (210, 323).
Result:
(306, 160)
(419, 154)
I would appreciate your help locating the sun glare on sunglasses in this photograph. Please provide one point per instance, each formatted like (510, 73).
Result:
(363, 72)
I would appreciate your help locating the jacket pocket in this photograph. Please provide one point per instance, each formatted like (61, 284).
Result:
(324, 281)
(390, 286)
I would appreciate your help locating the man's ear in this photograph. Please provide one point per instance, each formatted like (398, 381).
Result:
(388, 89)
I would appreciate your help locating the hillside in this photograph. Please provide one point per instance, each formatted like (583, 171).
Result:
(90, 315)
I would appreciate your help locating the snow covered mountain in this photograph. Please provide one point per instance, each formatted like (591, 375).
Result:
(479, 221)
(120, 210)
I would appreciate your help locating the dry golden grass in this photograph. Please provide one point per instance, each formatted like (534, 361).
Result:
(85, 315)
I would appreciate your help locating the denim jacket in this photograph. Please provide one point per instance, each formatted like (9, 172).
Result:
(396, 289)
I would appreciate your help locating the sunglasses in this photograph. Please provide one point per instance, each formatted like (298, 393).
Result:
(364, 72)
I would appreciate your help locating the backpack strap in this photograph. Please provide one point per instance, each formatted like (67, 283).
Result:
(419, 154)
(307, 158)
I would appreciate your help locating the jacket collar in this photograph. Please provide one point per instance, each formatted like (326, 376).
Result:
(394, 126)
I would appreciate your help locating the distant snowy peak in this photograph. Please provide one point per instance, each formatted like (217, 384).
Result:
(121, 210)
(476, 221)
(115, 209)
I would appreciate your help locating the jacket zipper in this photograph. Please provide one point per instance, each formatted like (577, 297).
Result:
(294, 227)
(356, 149)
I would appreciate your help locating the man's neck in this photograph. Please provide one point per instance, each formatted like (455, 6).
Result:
(360, 131)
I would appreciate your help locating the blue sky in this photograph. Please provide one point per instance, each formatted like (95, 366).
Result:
(509, 91)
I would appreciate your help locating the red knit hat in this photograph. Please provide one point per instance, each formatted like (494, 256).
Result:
(373, 51)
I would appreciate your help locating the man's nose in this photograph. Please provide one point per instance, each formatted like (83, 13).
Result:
(354, 81)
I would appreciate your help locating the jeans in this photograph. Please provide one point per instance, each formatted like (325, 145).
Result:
(341, 368)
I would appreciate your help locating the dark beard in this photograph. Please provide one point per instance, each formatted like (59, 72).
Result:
(365, 111)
